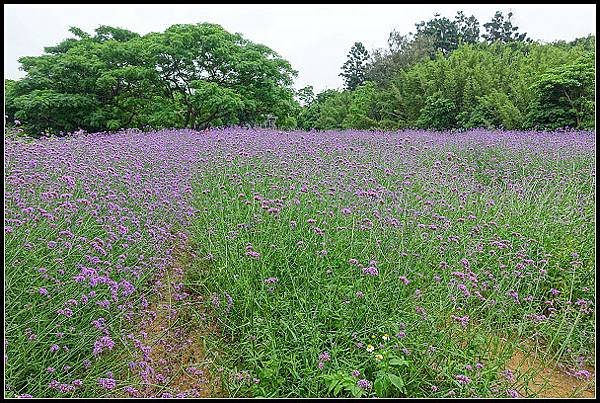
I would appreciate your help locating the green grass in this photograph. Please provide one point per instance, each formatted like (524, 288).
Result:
(277, 336)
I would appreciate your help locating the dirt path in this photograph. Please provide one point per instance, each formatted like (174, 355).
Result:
(547, 380)
(179, 360)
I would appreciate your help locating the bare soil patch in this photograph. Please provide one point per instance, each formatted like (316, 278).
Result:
(546, 379)
(182, 365)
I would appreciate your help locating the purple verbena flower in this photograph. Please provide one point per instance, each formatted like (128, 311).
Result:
(371, 271)
(107, 383)
(363, 384)
(463, 379)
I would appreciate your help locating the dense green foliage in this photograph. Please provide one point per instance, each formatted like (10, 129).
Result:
(447, 35)
(188, 76)
(445, 75)
(355, 67)
(499, 29)
(564, 95)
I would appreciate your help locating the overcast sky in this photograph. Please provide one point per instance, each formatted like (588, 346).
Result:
(313, 38)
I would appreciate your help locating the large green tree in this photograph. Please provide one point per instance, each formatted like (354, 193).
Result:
(501, 29)
(193, 75)
(354, 69)
(402, 52)
(257, 81)
(363, 110)
(447, 34)
(200, 75)
(306, 95)
(565, 96)
(9, 97)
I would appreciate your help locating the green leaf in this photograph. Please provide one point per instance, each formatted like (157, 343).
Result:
(398, 362)
(396, 381)
(338, 388)
(355, 390)
(381, 386)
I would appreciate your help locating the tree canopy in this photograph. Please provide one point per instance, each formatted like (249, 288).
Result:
(354, 69)
(188, 76)
(447, 35)
(501, 29)
(446, 74)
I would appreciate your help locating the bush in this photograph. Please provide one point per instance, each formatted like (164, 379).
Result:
(439, 113)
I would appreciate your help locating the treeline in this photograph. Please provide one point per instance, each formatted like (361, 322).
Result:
(447, 74)
(192, 76)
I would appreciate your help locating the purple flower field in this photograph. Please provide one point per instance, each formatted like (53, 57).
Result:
(243, 262)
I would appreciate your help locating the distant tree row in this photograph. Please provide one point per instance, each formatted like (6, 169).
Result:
(445, 75)
(192, 76)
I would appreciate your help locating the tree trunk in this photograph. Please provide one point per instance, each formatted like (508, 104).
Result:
(187, 119)
(193, 119)
(577, 118)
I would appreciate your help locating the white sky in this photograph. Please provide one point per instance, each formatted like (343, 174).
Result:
(313, 38)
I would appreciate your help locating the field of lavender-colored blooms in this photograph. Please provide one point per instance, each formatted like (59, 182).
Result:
(243, 262)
